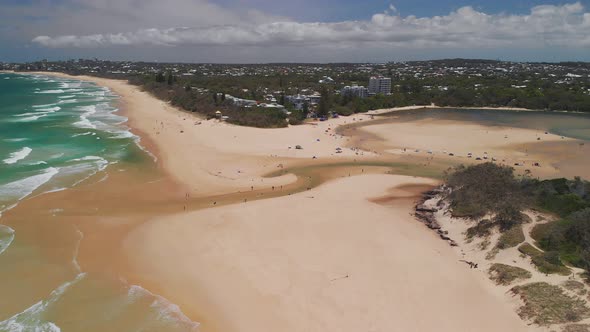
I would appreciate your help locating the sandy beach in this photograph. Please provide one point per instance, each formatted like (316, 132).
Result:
(318, 261)
(346, 255)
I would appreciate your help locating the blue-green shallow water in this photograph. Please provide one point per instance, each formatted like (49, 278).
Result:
(54, 134)
(573, 125)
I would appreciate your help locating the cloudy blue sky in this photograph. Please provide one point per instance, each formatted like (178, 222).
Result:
(254, 31)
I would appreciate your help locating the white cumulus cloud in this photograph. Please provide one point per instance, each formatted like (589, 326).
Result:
(548, 25)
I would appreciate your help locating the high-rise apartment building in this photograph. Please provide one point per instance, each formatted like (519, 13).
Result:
(380, 85)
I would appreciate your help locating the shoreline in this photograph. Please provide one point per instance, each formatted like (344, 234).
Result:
(214, 159)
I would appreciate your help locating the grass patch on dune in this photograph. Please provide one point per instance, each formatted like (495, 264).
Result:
(575, 286)
(505, 275)
(546, 304)
(546, 262)
(511, 238)
(576, 328)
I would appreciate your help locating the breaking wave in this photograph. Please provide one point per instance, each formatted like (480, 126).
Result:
(15, 157)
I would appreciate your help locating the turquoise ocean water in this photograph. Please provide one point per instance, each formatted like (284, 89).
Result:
(54, 134)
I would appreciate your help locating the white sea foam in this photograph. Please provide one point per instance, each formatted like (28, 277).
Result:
(67, 97)
(43, 106)
(123, 134)
(84, 122)
(86, 166)
(21, 154)
(50, 91)
(84, 134)
(95, 93)
(55, 156)
(31, 118)
(67, 101)
(165, 310)
(39, 113)
(75, 257)
(49, 109)
(70, 84)
(22, 188)
(6, 237)
(28, 114)
(87, 158)
(32, 319)
(38, 163)
(15, 139)
(104, 178)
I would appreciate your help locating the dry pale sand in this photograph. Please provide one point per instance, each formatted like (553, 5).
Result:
(323, 260)
(280, 264)
(212, 157)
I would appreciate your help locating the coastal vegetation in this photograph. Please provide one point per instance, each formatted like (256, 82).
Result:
(458, 92)
(547, 304)
(494, 198)
(505, 275)
(487, 189)
(511, 238)
(569, 234)
(576, 328)
(175, 91)
(575, 286)
(547, 262)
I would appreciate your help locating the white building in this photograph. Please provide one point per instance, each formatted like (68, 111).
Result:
(326, 79)
(272, 106)
(380, 85)
(355, 91)
(299, 101)
(240, 102)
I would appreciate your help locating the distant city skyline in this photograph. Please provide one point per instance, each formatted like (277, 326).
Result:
(262, 31)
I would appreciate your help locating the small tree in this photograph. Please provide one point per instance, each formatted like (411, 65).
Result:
(324, 106)
(305, 109)
(160, 77)
(170, 78)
